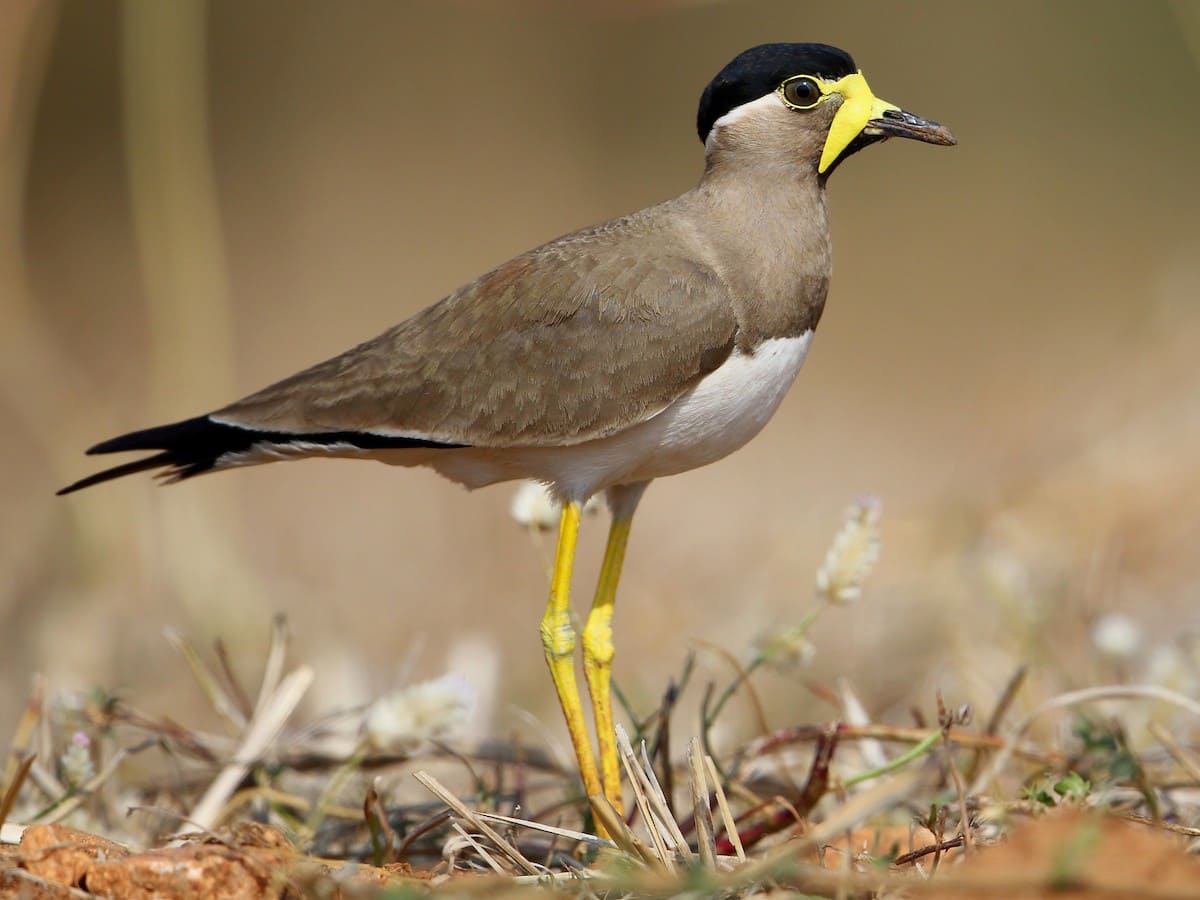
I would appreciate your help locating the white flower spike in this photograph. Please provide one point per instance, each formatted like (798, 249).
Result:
(431, 710)
(853, 554)
(1117, 636)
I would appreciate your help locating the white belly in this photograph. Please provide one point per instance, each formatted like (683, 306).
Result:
(719, 415)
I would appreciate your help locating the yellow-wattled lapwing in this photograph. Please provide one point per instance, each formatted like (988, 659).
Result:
(643, 347)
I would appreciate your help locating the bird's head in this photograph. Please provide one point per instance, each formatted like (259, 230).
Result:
(803, 104)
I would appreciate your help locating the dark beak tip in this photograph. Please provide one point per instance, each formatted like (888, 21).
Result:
(945, 137)
(897, 123)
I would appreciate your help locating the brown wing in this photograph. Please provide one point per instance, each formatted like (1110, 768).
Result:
(576, 340)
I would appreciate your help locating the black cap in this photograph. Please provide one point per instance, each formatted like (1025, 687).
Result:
(760, 70)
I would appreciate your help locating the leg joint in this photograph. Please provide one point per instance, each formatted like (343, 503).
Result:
(597, 636)
(558, 635)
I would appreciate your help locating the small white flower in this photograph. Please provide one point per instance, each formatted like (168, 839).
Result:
(1165, 665)
(853, 554)
(533, 506)
(76, 761)
(431, 710)
(1117, 636)
(1173, 666)
(786, 649)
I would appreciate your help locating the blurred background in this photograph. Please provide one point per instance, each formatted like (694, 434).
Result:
(200, 198)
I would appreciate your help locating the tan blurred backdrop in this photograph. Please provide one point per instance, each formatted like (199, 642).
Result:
(200, 200)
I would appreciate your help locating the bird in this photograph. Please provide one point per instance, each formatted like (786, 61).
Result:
(643, 347)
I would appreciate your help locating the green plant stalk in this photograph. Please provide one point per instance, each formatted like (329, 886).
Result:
(352, 764)
(917, 751)
(760, 657)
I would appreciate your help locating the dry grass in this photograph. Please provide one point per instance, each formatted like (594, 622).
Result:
(1006, 709)
(383, 801)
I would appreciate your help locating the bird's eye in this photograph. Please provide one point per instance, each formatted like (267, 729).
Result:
(802, 92)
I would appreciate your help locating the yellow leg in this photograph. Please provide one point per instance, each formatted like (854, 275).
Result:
(598, 656)
(558, 640)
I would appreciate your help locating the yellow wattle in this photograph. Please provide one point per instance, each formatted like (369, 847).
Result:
(859, 106)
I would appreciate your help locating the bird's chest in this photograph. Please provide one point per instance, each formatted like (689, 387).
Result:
(721, 413)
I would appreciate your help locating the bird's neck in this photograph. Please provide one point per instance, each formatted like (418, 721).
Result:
(766, 228)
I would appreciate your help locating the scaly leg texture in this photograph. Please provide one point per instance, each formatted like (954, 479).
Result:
(598, 656)
(598, 642)
(558, 641)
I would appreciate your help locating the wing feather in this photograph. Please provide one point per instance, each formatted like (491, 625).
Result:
(575, 340)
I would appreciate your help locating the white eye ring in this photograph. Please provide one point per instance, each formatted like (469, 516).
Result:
(801, 92)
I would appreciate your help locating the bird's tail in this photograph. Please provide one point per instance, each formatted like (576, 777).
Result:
(187, 448)
(195, 446)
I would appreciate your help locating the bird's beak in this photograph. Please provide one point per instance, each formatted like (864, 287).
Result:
(862, 115)
(898, 123)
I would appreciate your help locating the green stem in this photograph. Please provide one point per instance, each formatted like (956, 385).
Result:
(732, 687)
(761, 657)
(900, 761)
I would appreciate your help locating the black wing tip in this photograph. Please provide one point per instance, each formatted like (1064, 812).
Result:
(156, 461)
(186, 448)
(161, 437)
(194, 446)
